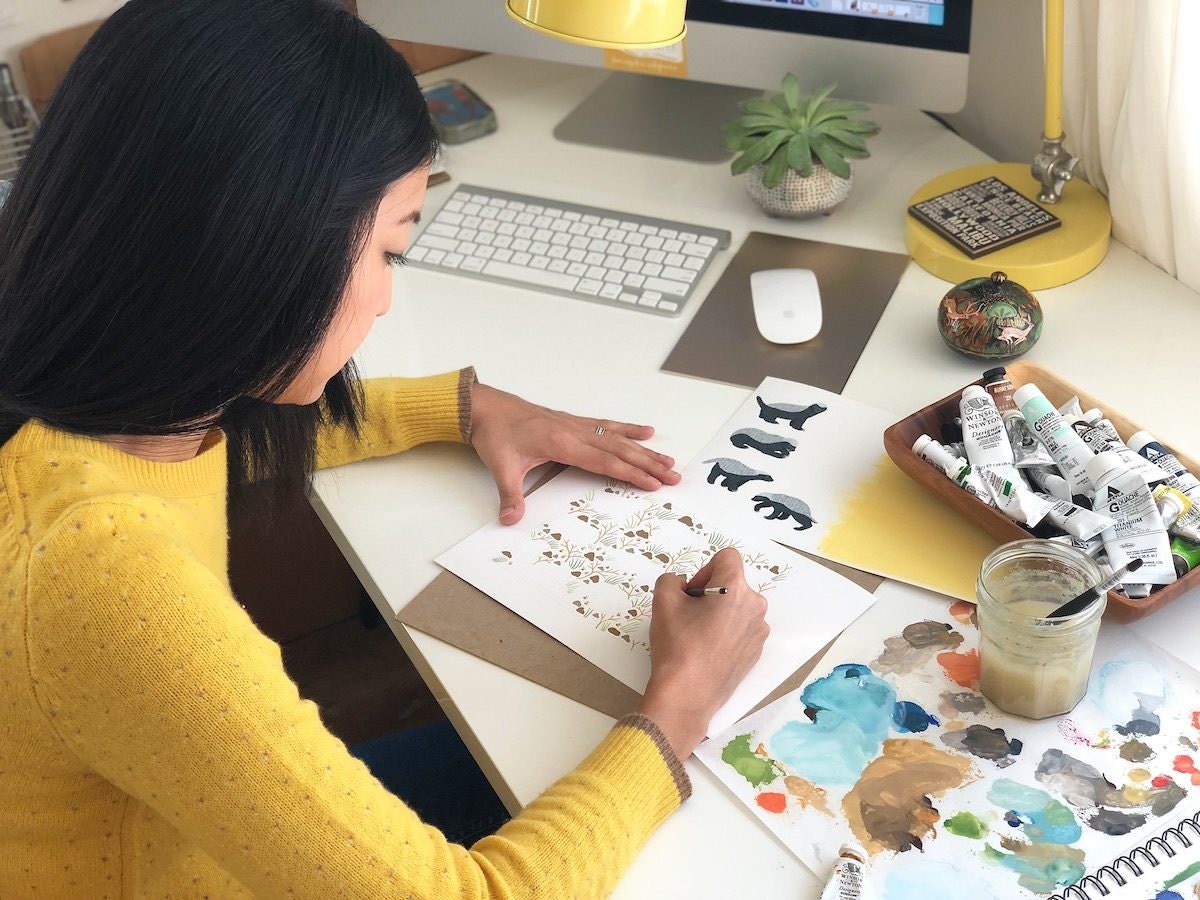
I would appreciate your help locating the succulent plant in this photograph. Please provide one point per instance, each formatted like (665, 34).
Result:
(788, 131)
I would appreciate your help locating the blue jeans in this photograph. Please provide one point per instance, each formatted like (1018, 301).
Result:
(431, 770)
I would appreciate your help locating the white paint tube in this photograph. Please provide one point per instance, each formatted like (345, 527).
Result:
(1093, 547)
(1068, 449)
(848, 879)
(990, 454)
(1180, 515)
(1100, 434)
(1076, 521)
(1048, 481)
(1138, 532)
(1071, 410)
(1178, 477)
(957, 470)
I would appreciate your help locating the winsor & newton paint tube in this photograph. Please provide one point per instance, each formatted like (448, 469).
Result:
(1138, 532)
(990, 454)
(1068, 449)
(848, 879)
(957, 470)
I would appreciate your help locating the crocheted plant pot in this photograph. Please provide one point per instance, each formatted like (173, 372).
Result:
(796, 197)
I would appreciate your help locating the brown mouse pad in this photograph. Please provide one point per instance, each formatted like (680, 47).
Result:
(722, 342)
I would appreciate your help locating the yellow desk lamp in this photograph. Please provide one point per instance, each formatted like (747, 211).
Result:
(1053, 257)
(616, 24)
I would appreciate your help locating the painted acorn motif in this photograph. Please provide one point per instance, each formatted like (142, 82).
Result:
(990, 318)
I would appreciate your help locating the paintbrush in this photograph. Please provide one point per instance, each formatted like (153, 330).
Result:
(1091, 595)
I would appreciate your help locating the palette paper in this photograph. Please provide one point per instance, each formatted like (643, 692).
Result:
(582, 565)
(890, 744)
(807, 468)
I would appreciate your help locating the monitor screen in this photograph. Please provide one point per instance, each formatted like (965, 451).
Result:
(933, 25)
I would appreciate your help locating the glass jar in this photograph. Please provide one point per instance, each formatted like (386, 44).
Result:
(1030, 665)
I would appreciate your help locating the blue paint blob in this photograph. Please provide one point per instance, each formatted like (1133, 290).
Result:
(909, 718)
(852, 712)
(1044, 819)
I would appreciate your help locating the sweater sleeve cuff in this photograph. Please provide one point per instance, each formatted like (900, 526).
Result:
(674, 764)
(467, 380)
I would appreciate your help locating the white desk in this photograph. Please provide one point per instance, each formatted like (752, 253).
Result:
(1112, 332)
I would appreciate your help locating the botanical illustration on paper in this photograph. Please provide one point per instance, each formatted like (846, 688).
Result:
(608, 547)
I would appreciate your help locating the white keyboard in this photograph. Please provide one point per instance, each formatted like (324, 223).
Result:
(601, 255)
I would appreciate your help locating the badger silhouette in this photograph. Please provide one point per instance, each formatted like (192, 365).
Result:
(794, 415)
(733, 474)
(763, 441)
(784, 507)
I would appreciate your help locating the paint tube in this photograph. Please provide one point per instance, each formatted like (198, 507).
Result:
(1136, 591)
(1049, 482)
(1093, 546)
(1138, 532)
(1027, 451)
(848, 879)
(1178, 477)
(1100, 434)
(1185, 555)
(1071, 410)
(1180, 515)
(957, 470)
(1076, 521)
(991, 455)
(1068, 449)
(958, 448)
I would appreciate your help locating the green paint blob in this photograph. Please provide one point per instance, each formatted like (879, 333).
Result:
(967, 825)
(1184, 875)
(754, 769)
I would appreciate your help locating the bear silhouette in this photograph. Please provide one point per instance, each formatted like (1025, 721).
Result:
(794, 415)
(763, 441)
(784, 507)
(733, 474)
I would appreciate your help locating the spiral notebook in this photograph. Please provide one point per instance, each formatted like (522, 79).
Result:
(1167, 867)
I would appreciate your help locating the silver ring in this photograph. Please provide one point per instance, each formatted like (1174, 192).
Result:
(600, 429)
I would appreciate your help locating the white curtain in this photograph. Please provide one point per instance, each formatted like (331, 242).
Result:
(1131, 113)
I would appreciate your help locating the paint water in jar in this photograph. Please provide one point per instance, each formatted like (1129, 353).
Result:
(1030, 665)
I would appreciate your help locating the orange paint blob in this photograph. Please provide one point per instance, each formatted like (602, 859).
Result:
(963, 611)
(961, 668)
(1185, 764)
(772, 801)
(1196, 719)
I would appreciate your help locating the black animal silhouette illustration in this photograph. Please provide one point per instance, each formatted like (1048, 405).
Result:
(733, 474)
(763, 441)
(794, 415)
(784, 507)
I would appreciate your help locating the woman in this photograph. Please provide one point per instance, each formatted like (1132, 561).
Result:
(200, 238)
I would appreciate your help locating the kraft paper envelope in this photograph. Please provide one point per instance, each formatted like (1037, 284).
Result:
(452, 610)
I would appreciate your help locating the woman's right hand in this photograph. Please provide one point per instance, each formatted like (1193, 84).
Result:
(701, 648)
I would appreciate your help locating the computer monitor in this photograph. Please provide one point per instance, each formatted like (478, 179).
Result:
(911, 53)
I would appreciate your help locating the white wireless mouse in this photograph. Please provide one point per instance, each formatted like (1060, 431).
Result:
(787, 304)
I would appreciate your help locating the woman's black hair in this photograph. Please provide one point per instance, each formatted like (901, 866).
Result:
(182, 230)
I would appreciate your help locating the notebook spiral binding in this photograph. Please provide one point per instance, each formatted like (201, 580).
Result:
(1153, 853)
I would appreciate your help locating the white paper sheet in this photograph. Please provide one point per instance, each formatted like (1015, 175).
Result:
(582, 564)
(891, 732)
(782, 465)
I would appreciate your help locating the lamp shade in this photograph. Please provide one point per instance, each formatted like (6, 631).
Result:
(619, 24)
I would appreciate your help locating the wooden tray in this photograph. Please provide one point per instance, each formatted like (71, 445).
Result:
(899, 438)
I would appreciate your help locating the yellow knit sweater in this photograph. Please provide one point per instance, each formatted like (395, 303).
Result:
(151, 744)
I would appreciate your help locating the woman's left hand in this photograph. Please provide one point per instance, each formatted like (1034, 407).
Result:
(512, 436)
